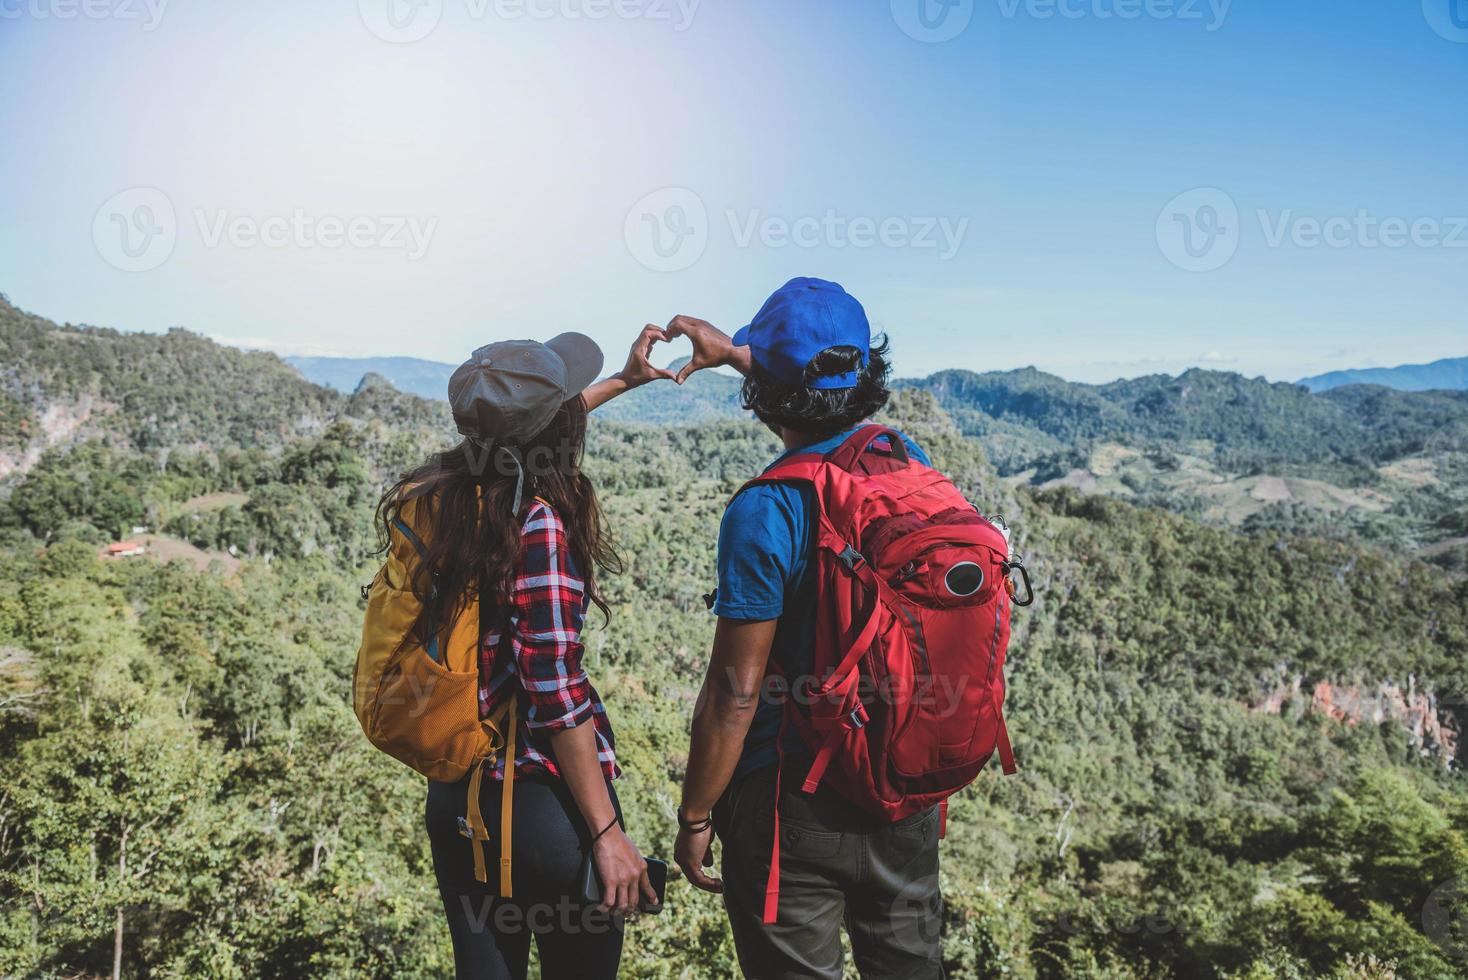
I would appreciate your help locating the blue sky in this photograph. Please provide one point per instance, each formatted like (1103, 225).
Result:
(1100, 188)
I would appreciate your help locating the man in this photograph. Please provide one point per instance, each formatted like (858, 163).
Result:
(812, 375)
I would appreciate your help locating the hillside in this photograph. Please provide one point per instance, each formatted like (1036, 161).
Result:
(1241, 421)
(1448, 374)
(62, 384)
(1240, 754)
(1367, 462)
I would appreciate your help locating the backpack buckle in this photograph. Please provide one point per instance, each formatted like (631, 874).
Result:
(852, 558)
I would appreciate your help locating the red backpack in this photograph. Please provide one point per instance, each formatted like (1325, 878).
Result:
(914, 586)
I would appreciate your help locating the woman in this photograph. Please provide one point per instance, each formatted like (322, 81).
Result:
(513, 516)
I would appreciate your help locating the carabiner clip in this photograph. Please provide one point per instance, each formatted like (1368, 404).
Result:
(1010, 567)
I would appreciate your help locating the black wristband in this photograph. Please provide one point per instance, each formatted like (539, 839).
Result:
(694, 826)
(603, 831)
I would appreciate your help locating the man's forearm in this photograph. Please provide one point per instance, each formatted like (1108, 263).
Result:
(720, 724)
(725, 709)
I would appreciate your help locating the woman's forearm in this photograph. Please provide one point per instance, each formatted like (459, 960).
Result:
(604, 391)
(576, 757)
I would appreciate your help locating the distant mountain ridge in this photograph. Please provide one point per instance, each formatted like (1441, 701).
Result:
(412, 375)
(1028, 417)
(1447, 374)
(429, 379)
(705, 397)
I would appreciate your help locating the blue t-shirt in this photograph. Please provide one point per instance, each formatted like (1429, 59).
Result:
(765, 546)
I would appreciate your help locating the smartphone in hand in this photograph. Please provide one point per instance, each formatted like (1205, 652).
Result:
(657, 876)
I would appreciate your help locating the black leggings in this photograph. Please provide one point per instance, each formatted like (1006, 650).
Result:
(491, 934)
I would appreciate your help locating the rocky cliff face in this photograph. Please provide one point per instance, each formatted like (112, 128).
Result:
(1435, 724)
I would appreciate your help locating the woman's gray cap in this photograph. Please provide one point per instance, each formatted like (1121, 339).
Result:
(509, 391)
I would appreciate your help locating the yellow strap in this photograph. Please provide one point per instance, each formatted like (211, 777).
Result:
(476, 822)
(507, 806)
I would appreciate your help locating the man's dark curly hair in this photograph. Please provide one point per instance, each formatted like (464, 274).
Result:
(822, 412)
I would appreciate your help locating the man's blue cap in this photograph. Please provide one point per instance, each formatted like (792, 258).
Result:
(804, 317)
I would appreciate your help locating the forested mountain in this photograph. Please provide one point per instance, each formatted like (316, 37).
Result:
(58, 384)
(1029, 419)
(1449, 374)
(1241, 751)
(1241, 422)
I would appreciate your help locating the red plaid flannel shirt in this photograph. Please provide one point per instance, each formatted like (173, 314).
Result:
(543, 632)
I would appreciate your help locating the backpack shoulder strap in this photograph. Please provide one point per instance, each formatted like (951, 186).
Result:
(800, 468)
(413, 539)
(849, 453)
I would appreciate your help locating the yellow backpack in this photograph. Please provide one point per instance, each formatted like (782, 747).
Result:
(420, 704)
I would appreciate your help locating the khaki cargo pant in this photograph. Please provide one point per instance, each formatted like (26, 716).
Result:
(838, 866)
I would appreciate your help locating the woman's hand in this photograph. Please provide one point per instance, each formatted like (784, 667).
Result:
(623, 873)
(711, 346)
(639, 370)
(694, 851)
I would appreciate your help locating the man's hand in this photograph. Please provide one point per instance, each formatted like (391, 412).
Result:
(639, 370)
(711, 346)
(694, 852)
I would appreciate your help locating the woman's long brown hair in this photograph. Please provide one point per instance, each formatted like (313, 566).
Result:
(464, 498)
